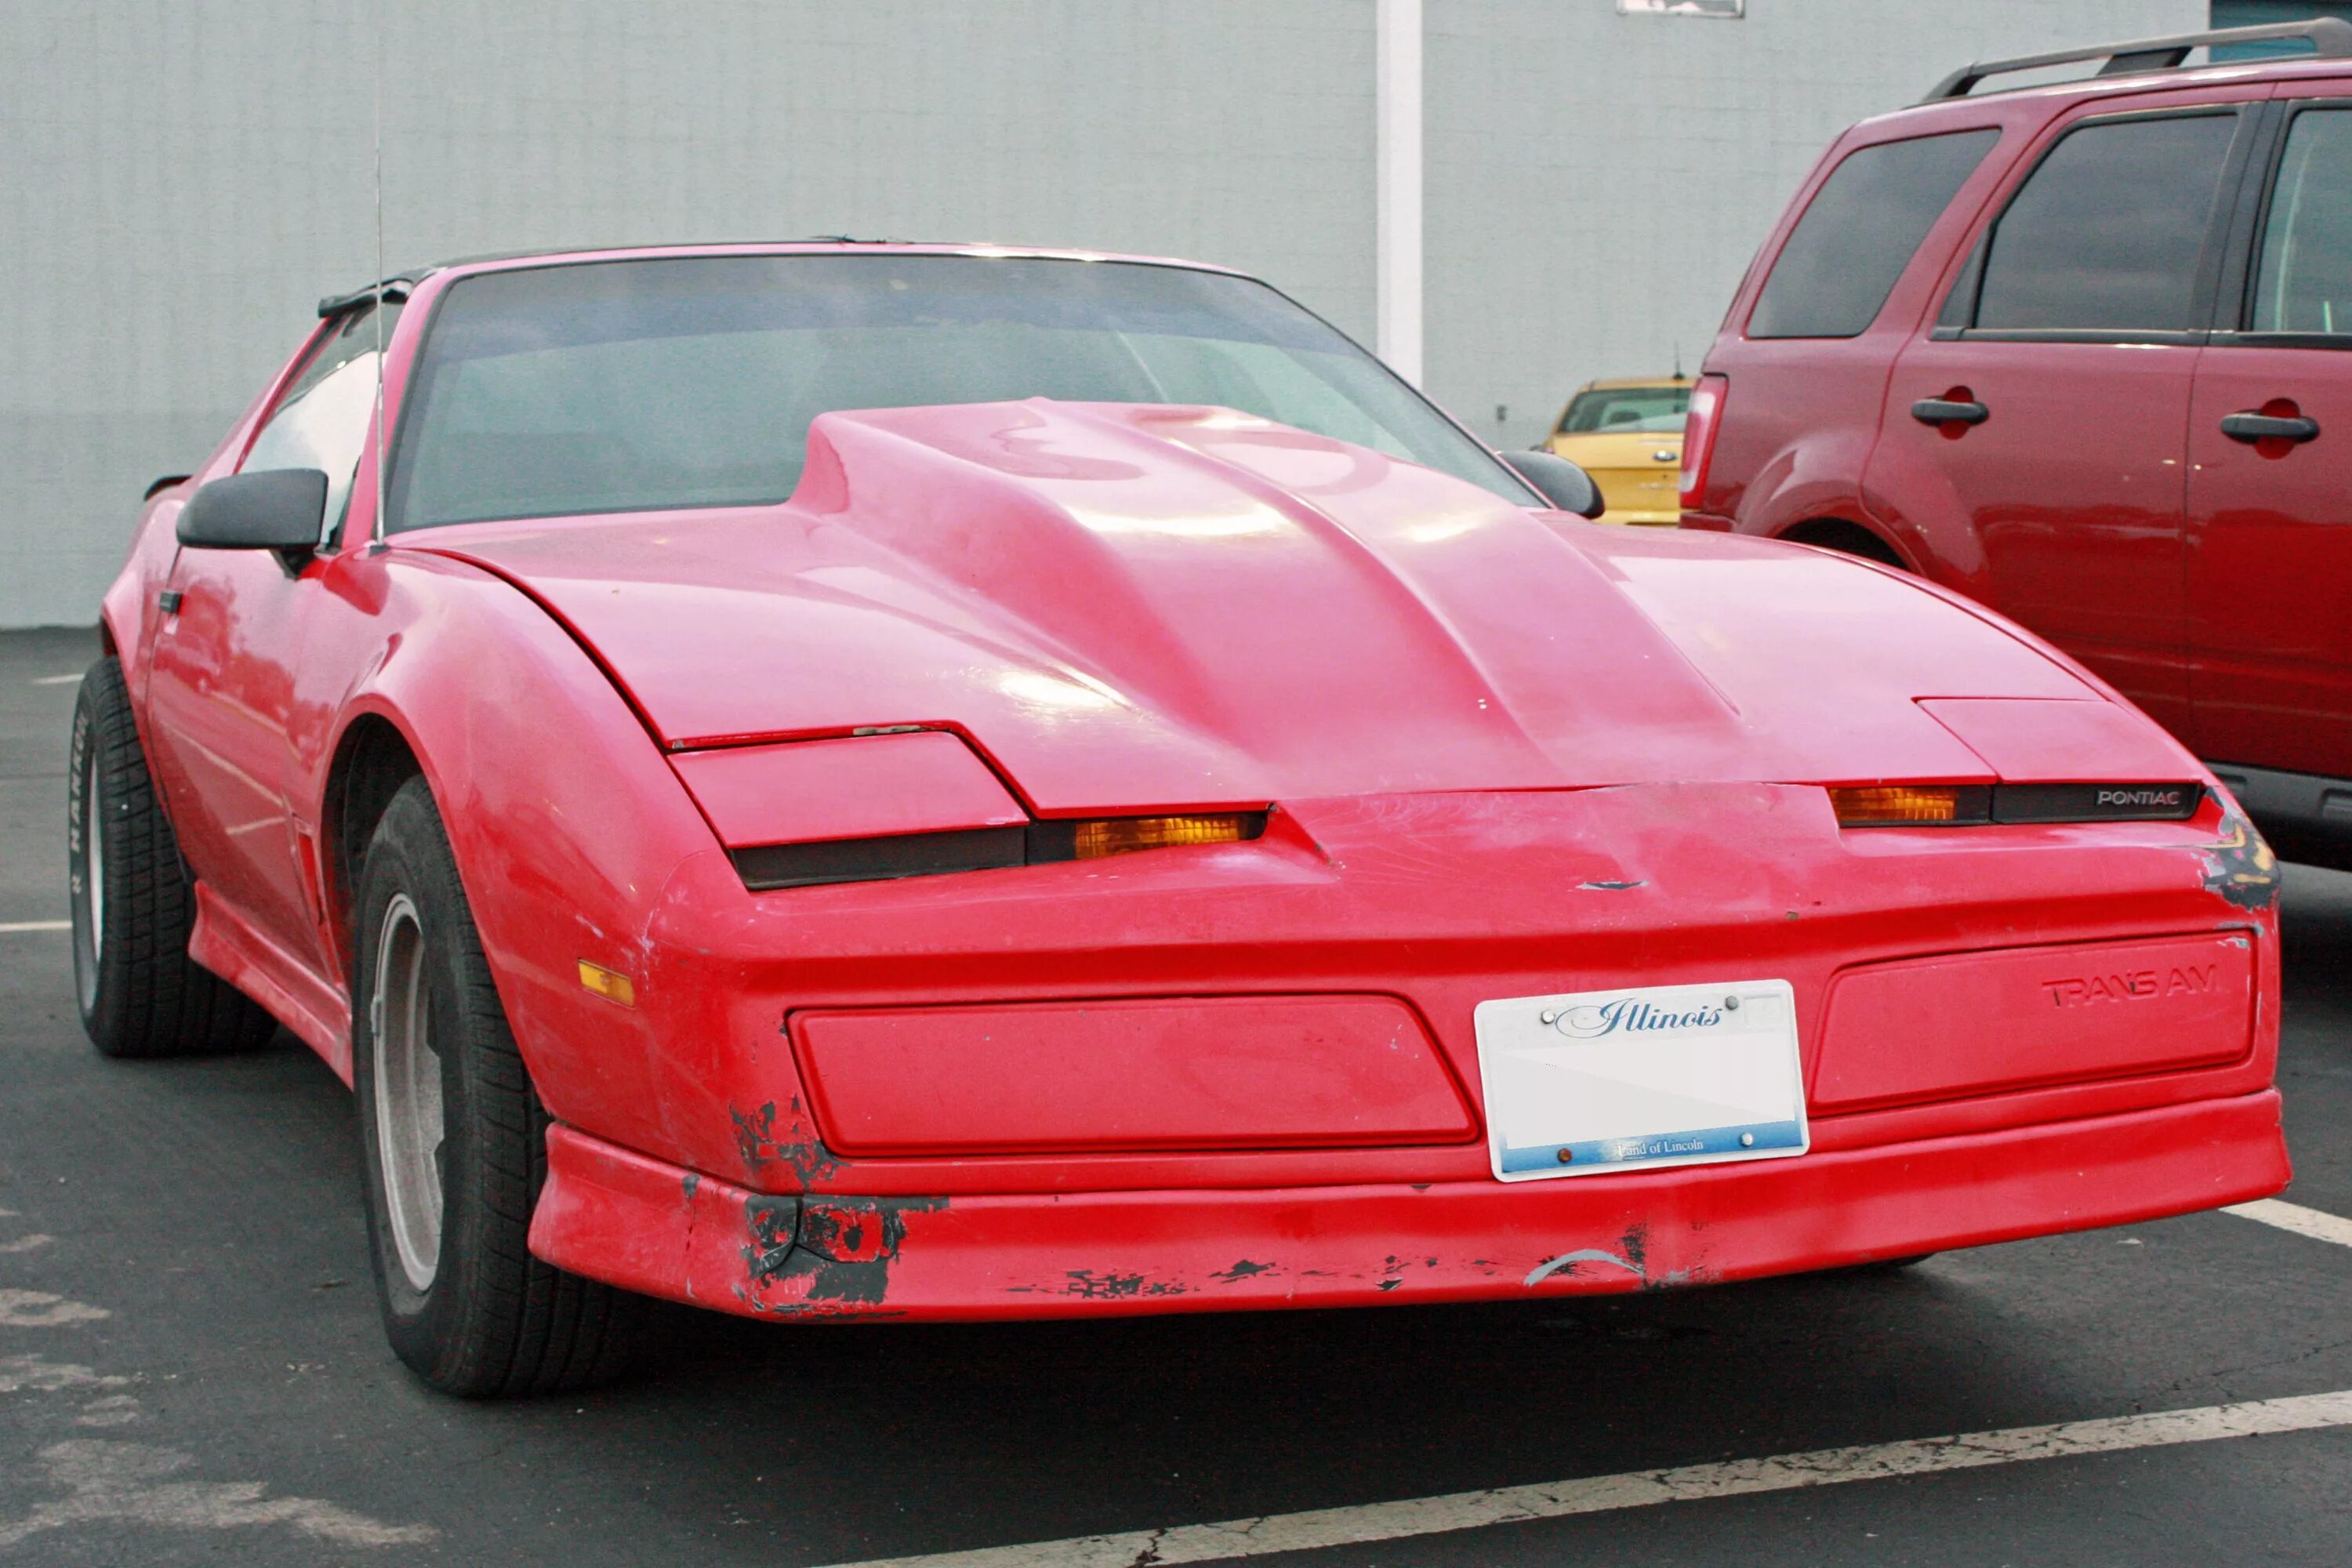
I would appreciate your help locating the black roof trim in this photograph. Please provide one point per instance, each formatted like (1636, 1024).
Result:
(392, 288)
(2331, 39)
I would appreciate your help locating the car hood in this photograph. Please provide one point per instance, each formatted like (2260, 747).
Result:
(1133, 607)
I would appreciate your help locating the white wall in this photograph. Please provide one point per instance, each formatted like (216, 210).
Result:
(181, 179)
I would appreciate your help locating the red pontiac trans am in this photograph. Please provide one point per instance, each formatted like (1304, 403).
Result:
(868, 781)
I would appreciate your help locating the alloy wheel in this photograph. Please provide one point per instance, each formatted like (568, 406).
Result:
(409, 1127)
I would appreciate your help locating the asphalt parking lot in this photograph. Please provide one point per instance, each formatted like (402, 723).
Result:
(190, 1369)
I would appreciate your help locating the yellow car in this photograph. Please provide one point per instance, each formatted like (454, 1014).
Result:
(1627, 435)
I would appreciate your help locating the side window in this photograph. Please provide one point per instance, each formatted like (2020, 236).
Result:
(2106, 233)
(2304, 282)
(1858, 232)
(321, 422)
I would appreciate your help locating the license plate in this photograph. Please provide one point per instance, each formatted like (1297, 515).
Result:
(1632, 1079)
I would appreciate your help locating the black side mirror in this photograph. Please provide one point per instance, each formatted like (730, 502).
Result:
(277, 509)
(1557, 479)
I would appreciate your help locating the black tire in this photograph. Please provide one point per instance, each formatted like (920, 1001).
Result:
(133, 901)
(486, 1318)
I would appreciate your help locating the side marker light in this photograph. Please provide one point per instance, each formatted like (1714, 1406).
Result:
(611, 984)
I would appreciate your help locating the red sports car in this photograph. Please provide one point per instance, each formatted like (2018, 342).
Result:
(864, 780)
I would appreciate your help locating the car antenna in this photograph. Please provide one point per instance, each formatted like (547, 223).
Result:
(1679, 355)
(378, 310)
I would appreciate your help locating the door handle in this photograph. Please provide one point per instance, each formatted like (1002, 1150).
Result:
(1948, 410)
(2253, 427)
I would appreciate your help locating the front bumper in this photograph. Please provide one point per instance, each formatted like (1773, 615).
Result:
(695, 1158)
(652, 1228)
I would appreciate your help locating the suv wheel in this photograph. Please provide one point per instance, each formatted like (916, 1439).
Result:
(1847, 539)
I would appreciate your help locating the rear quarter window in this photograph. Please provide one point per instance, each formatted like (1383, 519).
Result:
(1860, 231)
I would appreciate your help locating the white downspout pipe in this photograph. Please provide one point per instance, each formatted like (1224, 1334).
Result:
(1397, 184)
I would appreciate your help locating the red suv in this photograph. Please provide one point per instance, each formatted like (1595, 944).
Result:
(2084, 352)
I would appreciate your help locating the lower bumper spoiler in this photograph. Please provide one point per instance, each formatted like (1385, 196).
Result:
(618, 1217)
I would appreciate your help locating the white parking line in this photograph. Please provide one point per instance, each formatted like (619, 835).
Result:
(7, 926)
(2313, 1223)
(1644, 1489)
(55, 680)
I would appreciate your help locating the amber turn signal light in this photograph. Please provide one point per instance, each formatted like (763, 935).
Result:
(610, 983)
(1935, 806)
(1117, 834)
(1890, 805)
(764, 867)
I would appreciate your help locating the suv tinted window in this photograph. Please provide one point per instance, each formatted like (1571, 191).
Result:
(2305, 284)
(1858, 232)
(2105, 233)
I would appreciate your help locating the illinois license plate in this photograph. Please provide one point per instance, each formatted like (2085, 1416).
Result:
(1598, 1081)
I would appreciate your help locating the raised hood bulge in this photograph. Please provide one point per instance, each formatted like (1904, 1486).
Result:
(1131, 606)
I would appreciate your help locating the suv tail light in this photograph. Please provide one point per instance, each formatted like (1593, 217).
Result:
(1698, 436)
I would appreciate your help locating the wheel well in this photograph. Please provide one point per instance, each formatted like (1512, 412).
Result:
(371, 762)
(1848, 538)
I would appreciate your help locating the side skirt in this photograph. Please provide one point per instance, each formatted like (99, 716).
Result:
(226, 943)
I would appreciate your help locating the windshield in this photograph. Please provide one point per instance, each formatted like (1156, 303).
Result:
(1629, 410)
(647, 386)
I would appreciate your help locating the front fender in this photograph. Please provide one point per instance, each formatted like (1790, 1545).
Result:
(566, 822)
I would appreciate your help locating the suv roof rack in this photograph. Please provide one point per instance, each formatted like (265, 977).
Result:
(2331, 37)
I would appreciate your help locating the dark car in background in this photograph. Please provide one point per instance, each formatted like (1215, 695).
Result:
(2080, 352)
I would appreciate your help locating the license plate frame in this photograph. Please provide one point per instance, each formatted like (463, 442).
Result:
(1609, 1082)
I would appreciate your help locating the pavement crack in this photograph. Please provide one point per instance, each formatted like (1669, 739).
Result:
(2313, 1353)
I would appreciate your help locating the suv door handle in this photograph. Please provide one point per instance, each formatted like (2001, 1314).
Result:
(2253, 427)
(1942, 411)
